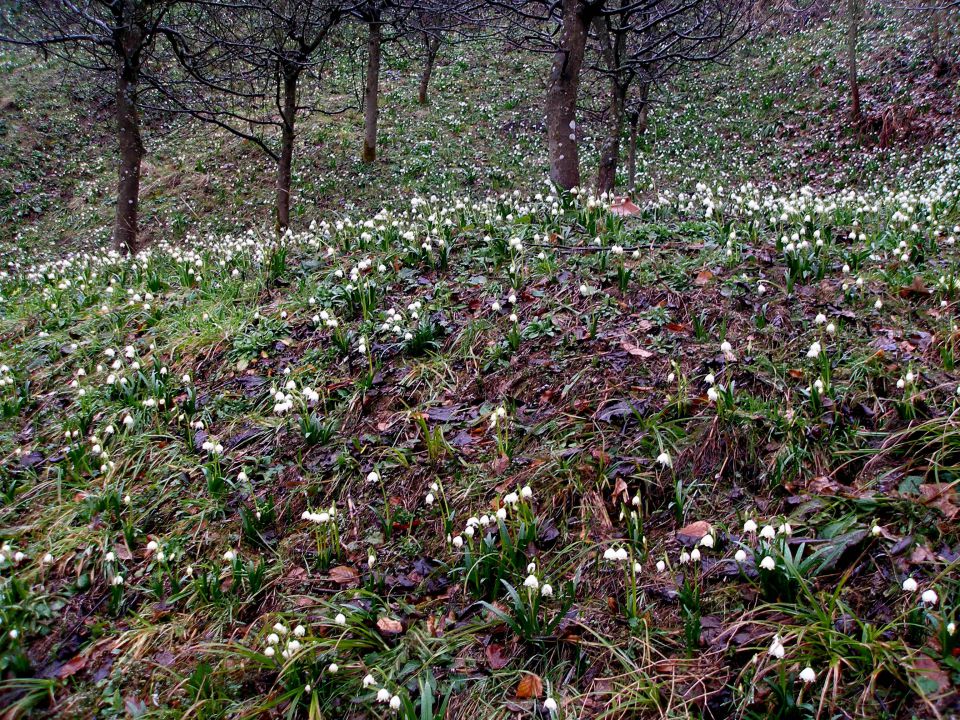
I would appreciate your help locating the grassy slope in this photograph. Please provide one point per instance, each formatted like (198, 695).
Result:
(584, 376)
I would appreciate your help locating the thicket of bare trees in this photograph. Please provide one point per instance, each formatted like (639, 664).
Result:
(117, 42)
(252, 67)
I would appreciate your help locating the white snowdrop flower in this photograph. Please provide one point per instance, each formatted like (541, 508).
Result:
(269, 652)
(910, 585)
(526, 492)
(768, 532)
(710, 379)
(712, 394)
(458, 542)
(546, 590)
(229, 556)
(429, 499)
(550, 705)
(671, 377)
(333, 668)
(373, 476)
(706, 541)
(664, 459)
(740, 555)
(273, 639)
(684, 557)
(695, 555)
(110, 557)
(814, 350)
(502, 514)
(340, 619)
(776, 648)
(369, 681)
(876, 530)
(820, 319)
(726, 347)
(299, 631)
(808, 675)
(280, 628)
(878, 304)
(951, 628)
(383, 695)
(661, 566)
(469, 531)
(929, 597)
(118, 580)
(495, 306)
(768, 563)
(47, 559)
(622, 554)
(531, 582)
(831, 329)
(395, 702)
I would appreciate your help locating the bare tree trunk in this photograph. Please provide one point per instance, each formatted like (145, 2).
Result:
(285, 163)
(131, 155)
(561, 104)
(610, 150)
(638, 127)
(432, 43)
(854, 11)
(371, 92)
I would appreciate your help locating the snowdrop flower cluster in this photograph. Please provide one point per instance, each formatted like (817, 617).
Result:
(292, 643)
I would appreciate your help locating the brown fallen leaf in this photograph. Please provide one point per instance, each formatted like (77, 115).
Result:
(530, 686)
(73, 666)
(389, 626)
(703, 277)
(635, 350)
(915, 288)
(940, 496)
(623, 206)
(620, 488)
(497, 656)
(693, 532)
(344, 575)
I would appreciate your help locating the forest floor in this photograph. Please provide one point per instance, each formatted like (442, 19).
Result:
(460, 447)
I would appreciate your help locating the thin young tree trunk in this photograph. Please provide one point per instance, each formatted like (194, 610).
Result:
(131, 155)
(562, 91)
(632, 152)
(610, 150)
(433, 47)
(285, 163)
(638, 126)
(371, 92)
(854, 9)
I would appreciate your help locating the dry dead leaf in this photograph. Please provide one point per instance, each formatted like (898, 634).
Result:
(694, 532)
(940, 496)
(389, 626)
(635, 350)
(530, 686)
(344, 575)
(703, 277)
(497, 656)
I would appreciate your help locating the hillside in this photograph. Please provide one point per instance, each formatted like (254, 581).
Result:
(460, 445)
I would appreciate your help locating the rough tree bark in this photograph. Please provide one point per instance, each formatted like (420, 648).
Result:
(371, 92)
(562, 91)
(130, 143)
(610, 150)
(854, 12)
(638, 127)
(432, 46)
(287, 135)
